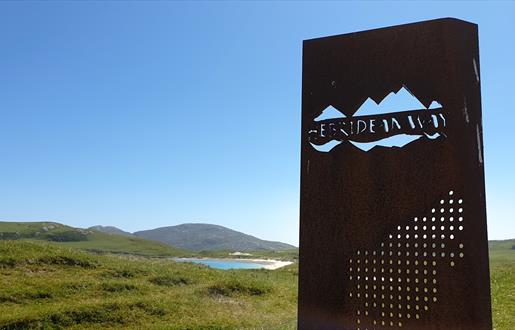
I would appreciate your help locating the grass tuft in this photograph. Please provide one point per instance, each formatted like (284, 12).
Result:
(63, 260)
(170, 280)
(118, 287)
(236, 286)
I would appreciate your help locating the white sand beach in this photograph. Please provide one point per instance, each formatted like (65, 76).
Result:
(270, 263)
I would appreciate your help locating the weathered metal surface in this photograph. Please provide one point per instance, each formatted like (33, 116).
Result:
(394, 237)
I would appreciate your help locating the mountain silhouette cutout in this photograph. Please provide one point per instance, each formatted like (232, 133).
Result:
(402, 100)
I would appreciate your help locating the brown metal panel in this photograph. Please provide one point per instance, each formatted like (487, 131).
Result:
(394, 237)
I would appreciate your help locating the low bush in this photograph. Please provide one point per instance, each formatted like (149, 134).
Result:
(67, 236)
(64, 260)
(7, 262)
(117, 287)
(169, 280)
(236, 286)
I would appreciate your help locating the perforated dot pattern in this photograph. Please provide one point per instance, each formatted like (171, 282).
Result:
(398, 281)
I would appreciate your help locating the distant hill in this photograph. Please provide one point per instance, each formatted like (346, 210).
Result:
(502, 245)
(206, 237)
(502, 252)
(86, 239)
(110, 230)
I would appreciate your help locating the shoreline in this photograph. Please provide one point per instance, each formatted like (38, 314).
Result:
(270, 264)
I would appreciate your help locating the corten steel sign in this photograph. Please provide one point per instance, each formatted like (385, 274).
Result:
(393, 220)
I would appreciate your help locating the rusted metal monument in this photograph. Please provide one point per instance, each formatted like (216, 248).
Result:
(393, 220)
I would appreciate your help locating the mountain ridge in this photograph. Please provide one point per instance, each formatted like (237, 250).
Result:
(86, 239)
(210, 237)
(110, 230)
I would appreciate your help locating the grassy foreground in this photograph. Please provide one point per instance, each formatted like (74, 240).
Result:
(502, 279)
(48, 286)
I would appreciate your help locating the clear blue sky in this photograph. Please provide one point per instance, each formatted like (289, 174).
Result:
(140, 115)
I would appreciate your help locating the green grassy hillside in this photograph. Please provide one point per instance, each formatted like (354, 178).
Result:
(86, 239)
(52, 287)
(502, 251)
(502, 274)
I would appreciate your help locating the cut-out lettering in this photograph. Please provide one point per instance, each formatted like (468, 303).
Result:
(377, 125)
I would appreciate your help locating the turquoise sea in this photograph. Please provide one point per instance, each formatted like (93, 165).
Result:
(224, 263)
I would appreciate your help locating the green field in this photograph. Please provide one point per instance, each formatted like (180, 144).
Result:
(502, 273)
(49, 284)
